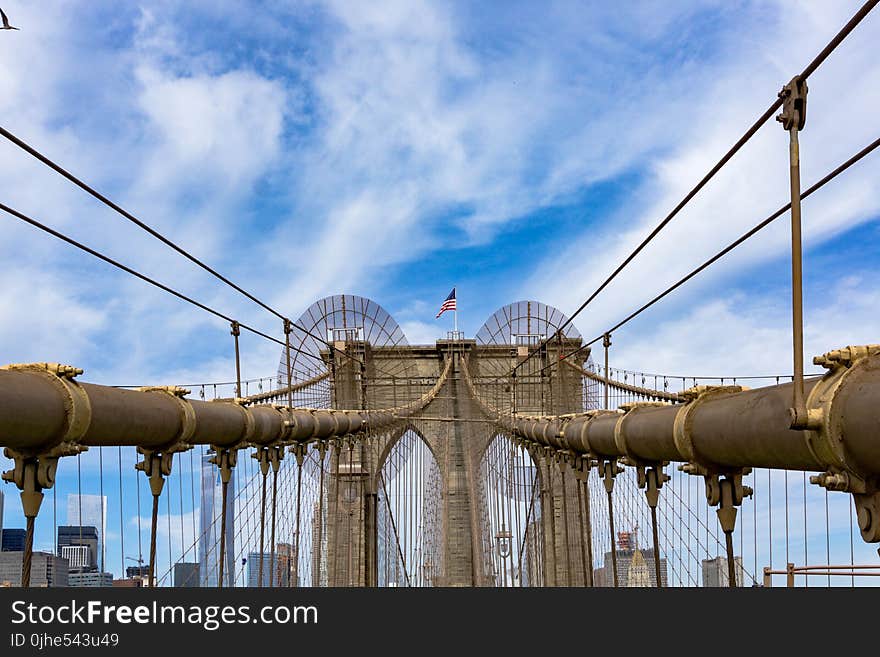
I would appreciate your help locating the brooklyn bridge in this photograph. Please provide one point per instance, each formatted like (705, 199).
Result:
(524, 455)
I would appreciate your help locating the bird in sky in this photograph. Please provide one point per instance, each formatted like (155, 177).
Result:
(6, 25)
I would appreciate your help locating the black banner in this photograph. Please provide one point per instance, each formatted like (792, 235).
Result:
(53, 621)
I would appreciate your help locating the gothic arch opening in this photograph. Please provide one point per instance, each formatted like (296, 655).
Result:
(409, 519)
(511, 514)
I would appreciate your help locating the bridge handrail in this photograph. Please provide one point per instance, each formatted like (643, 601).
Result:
(279, 392)
(626, 387)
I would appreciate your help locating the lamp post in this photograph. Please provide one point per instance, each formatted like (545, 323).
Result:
(502, 542)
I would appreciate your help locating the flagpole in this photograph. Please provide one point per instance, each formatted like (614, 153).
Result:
(455, 314)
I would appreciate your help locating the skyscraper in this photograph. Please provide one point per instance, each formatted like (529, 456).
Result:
(186, 574)
(75, 535)
(12, 540)
(284, 565)
(89, 511)
(253, 569)
(715, 572)
(210, 526)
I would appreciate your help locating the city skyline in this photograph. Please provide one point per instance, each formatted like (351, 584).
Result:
(89, 510)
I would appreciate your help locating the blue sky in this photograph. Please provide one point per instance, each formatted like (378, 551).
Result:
(515, 150)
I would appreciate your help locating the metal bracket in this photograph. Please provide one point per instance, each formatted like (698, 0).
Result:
(269, 456)
(581, 466)
(299, 452)
(683, 419)
(187, 421)
(727, 492)
(608, 471)
(652, 479)
(78, 409)
(868, 515)
(225, 458)
(261, 456)
(156, 466)
(794, 104)
(31, 475)
(824, 439)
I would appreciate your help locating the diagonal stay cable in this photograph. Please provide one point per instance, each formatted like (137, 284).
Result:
(811, 67)
(730, 247)
(143, 277)
(152, 231)
(140, 224)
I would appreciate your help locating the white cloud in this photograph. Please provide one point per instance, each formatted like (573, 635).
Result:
(752, 185)
(418, 332)
(750, 334)
(224, 128)
(39, 314)
(418, 119)
(181, 148)
(424, 125)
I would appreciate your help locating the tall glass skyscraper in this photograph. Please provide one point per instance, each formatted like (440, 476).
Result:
(210, 525)
(89, 511)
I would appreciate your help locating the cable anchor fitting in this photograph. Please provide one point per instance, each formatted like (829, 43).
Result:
(651, 479)
(225, 459)
(794, 104)
(608, 470)
(156, 466)
(727, 492)
(299, 453)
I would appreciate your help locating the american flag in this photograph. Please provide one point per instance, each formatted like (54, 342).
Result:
(449, 304)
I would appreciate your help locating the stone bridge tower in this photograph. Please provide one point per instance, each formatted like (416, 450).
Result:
(376, 369)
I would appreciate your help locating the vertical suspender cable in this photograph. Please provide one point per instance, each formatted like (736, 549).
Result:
(568, 578)
(299, 466)
(264, 472)
(785, 479)
(224, 488)
(121, 517)
(102, 528)
(806, 557)
(272, 568)
(827, 537)
(611, 533)
(153, 525)
(168, 519)
(180, 505)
